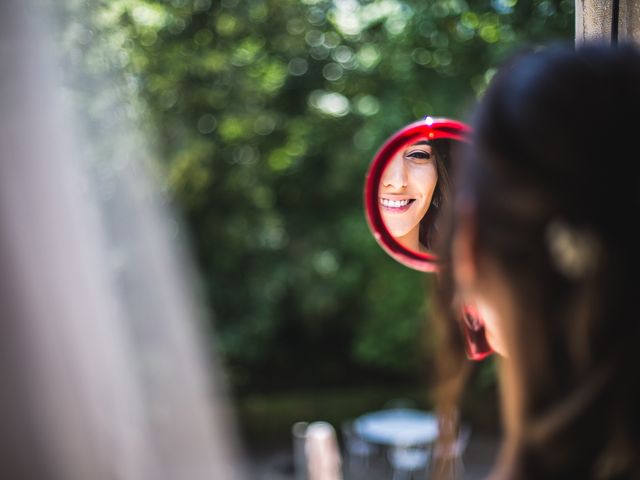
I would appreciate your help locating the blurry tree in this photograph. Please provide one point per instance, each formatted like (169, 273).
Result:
(267, 113)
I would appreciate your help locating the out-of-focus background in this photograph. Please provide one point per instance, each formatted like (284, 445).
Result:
(265, 115)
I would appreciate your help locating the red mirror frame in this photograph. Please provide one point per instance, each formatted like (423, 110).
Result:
(432, 129)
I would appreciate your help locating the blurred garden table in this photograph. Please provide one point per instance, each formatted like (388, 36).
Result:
(398, 442)
(397, 427)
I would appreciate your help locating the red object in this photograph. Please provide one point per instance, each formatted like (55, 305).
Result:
(476, 345)
(428, 128)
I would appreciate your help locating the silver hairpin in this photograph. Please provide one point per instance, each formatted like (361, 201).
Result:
(574, 252)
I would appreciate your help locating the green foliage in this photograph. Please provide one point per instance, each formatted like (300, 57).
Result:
(268, 112)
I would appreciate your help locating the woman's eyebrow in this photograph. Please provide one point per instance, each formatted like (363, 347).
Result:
(421, 142)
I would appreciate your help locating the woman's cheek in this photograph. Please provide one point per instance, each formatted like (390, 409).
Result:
(492, 328)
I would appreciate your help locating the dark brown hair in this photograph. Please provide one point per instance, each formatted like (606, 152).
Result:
(429, 225)
(553, 161)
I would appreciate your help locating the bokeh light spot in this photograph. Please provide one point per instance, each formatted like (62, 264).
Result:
(368, 57)
(421, 56)
(330, 103)
(207, 123)
(245, 154)
(298, 66)
(314, 38)
(332, 71)
(203, 37)
(264, 124)
(342, 54)
(367, 105)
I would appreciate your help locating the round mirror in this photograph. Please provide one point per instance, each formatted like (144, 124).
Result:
(408, 185)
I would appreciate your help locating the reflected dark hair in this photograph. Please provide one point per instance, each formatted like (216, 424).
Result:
(429, 225)
(553, 158)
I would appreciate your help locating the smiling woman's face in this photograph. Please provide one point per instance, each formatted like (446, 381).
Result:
(406, 188)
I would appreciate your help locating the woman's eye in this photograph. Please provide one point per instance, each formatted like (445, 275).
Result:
(419, 155)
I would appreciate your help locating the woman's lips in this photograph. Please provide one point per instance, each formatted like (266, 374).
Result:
(396, 206)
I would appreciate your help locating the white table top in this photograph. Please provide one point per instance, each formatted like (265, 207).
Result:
(397, 427)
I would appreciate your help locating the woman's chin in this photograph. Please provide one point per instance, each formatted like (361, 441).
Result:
(396, 232)
(400, 235)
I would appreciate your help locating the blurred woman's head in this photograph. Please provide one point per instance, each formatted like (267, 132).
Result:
(545, 247)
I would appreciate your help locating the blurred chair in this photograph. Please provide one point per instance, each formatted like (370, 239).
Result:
(410, 460)
(358, 453)
(447, 460)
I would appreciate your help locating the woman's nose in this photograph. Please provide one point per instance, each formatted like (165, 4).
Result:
(395, 175)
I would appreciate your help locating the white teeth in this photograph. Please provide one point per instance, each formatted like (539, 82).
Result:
(394, 203)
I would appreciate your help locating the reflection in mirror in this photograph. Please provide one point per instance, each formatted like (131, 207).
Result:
(407, 187)
(413, 188)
